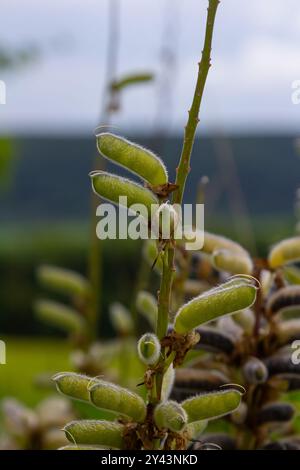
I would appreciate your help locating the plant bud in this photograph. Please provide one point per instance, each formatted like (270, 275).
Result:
(285, 252)
(275, 412)
(170, 415)
(211, 405)
(225, 299)
(60, 316)
(165, 221)
(119, 400)
(255, 371)
(135, 158)
(112, 187)
(149, 348)
(121, 319)
(97, 432)
(73, 385)
(146, 304)
(231, 262)
(63, 280)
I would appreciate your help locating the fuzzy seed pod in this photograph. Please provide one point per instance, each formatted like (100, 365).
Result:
(212, 405)
(275, 412)
(95, 432)
(63, 280)
(73, 385)
(60, 316)
(119, 400)
(149, 348)
(255, 371)
(285, 252)
(211, 339)
(231, 262)
(146, 304)
(281, 364)
(135, 158)
(228, 298)
(286, 298)
(112, 187)
(195, 429)
(170, 415)
(121, 319)
(189, 382)
(214, 242)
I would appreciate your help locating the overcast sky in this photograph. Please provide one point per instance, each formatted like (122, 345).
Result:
(256, 57)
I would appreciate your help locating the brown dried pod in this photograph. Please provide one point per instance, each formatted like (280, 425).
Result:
(214, 340)
(275, 412)
(285, 298)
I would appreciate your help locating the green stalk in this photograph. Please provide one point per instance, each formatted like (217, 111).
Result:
(164, 299)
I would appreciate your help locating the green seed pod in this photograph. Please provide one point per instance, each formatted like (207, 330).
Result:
(135, 158)
(63, 280)
(211, 339)
(195, 429)
(170, 415)
(146, 304)
(212, 405)
(255, 371)
(231, 262)
(285, 299)
(121, 319)
(149, 348)
(214, 303)
(112, 187)
(275, 412)
(95, 432)
(168, 382)
(73, 385)
(111, 397)
(59, 315)
(285, 252)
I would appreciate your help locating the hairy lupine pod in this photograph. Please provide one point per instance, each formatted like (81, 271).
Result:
(119, 400)
(152, 256)
(132, 79)
(60, 315)
(212, 405)
(168, 382)
(232, 262)
(121, 318)
(170, 415)
(63, 280)
(214, 242)
(146, 304)
(195, 429)
(245, 319)
(149, 348)
(189, 382)
(285, 252)
(281, 364)
(135, 158)
(288, 331)
(286, 298)
(73, 385)
(95, 432)
(255, 371)
(275, 412)
(222, 440)
(112, 187)
(211, 339)
(225, 299)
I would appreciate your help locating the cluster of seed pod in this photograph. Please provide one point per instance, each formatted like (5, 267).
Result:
(38, 429)
(253, 347)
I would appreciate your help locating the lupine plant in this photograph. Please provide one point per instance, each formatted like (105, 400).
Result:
(253, 347)
(156, 421)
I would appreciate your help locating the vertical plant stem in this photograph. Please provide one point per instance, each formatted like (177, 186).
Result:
(164, 299)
